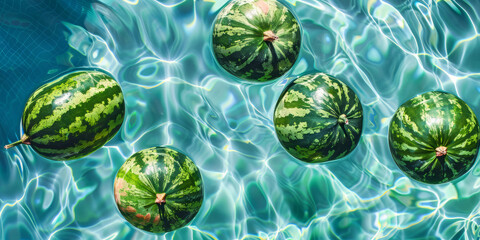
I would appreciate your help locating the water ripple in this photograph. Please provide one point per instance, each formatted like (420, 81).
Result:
(177, 95)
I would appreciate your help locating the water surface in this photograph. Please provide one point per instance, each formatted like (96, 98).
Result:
(176, 95)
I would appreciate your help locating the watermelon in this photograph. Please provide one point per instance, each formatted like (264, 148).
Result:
(318, 118)
(158, 190)
(256, 40)
(434, 137)
(73, 116)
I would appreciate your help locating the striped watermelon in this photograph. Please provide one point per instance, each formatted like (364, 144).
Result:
(318, 118)
(158, 190)
(434, 137)
(73, 116)
(256, 40)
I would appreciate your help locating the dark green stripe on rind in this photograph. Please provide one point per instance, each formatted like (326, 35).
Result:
(238, 39)
(429, 121)
(306, 118)
(74, 115)
(41, 100)
(154, 171)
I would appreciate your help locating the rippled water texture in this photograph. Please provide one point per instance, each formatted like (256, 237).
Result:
(176, 95)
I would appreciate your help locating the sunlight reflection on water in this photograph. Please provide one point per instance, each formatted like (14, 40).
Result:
(176, 95)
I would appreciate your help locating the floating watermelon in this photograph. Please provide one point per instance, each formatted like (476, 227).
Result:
(434, 137)
(73, 115)
(318, 118)
(256, 40)
(158, 190)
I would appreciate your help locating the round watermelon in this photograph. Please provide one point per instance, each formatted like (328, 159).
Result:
(73, 115)
(434, 137)
(158, 190)
(318, 118)
(256, 40)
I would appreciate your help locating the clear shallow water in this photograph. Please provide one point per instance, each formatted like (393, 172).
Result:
(176, 95)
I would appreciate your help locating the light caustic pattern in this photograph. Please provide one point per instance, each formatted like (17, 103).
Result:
(176, 95)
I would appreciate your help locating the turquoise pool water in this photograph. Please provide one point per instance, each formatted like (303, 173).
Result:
(176, 95)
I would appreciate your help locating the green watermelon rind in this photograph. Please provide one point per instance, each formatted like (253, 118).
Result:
(409, 130)
(74, 115)
(255, 73)
(308, 138)
(132, 181)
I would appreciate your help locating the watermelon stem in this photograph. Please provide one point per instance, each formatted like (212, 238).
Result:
(269, 36)
(160, 201)
(342, 119)
(24, 140)
(441, 151)
(160, 198)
